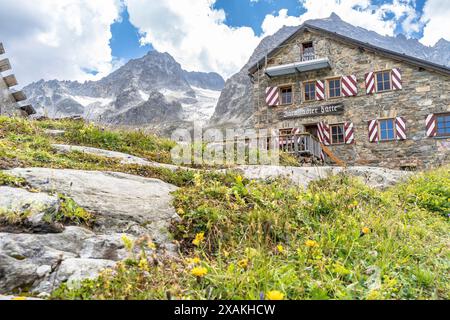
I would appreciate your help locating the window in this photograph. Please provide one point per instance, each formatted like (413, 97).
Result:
(443, 124)
(307, 51)
(310, 91)
(387, 129)
(337, 133)
(334, 88)
(383, 80)
(286, 95)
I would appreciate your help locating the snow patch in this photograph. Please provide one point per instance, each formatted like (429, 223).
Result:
(87, 101)
(144, 95)
(199, 108)
(203, 109)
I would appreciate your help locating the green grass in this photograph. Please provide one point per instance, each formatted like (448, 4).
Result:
(338, 239)
(11, 181)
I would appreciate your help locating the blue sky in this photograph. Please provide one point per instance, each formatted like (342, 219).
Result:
(239, 13)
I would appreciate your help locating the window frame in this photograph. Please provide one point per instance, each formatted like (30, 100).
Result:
(304, 49)
(287, 86)
(390, 80)
(313, 82)
(444, 135)
(394, 130)
(340, 124)
(328, 87)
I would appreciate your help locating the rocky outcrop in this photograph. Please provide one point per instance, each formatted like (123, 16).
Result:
(121, 204)
(302, 176)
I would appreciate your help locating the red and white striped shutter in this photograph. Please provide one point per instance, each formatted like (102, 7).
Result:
(323, 133)
(320, 90)
(349, 133)
(400, 128)
(319, 132)
(349, 86)
(373, 131)
(396, 79)
(272, 96)
(431, 125)
(370, 83)
(326, 134)
(322, 155)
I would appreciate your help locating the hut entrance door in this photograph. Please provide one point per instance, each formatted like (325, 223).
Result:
(312, 129)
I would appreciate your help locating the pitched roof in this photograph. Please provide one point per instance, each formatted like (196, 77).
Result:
(365, 45)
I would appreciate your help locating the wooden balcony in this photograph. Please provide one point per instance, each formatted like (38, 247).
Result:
(306, 62)
(300, 144)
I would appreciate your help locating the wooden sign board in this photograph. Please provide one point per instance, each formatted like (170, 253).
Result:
(313, 111)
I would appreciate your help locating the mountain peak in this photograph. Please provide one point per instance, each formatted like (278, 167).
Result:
(441, 43)
(335, 17)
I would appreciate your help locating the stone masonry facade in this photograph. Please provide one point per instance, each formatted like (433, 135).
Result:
(424, 91)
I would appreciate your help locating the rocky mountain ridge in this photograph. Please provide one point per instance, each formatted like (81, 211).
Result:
(153, 90)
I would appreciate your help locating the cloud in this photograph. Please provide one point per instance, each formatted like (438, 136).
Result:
(194, 33)
(435, 17)
(382, 19)
(62, 39)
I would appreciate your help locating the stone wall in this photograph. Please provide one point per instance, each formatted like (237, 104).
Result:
(423, 92)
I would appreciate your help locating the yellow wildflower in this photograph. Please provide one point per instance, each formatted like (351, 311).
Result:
(274, 295)
(151, 245)
(19, 298)
(194, 260)
(280, 248)
(143, 264)
(180, 211)
(127, 242)
(365, 230)
(243, 263)
(199, 271)
(199, 237)
(311, 243)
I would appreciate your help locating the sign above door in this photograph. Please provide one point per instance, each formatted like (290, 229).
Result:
(337, 108)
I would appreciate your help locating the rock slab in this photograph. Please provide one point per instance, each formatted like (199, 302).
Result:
(122, 205)
(376, 177)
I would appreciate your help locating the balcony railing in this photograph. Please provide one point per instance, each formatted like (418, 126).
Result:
(303, 144)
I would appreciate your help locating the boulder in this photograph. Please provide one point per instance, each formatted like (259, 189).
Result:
(32, 210)
(39, 263)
